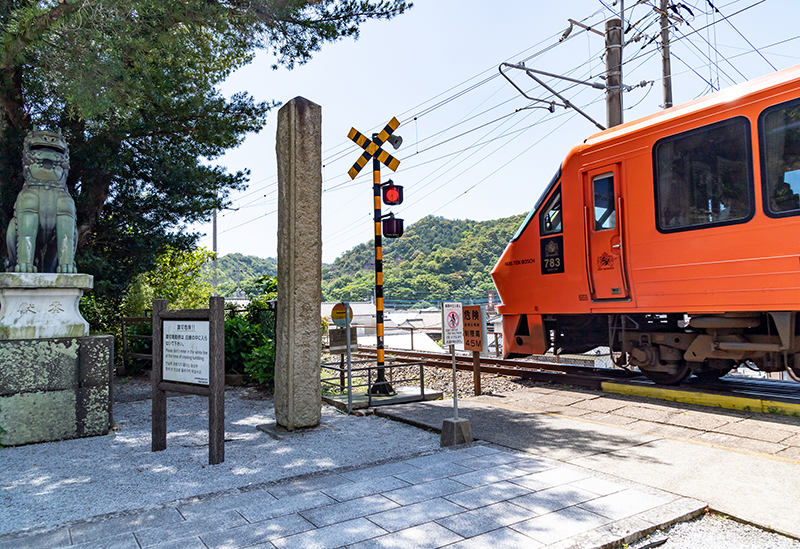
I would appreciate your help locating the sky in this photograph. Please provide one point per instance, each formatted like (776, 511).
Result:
(473, 146)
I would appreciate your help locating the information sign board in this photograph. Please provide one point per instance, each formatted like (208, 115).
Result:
(452, 324)
(186, 351)
(473, 328)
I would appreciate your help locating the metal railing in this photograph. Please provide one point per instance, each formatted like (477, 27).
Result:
(339, 380)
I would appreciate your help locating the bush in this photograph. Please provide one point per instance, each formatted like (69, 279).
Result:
(249, 341)
(241, 338)
(260, 364)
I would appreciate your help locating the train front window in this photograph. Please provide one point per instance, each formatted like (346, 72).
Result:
(703, 177)
(604, 211)
(779, 134)
(550, 218)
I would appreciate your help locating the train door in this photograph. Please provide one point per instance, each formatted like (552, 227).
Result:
(603, 227)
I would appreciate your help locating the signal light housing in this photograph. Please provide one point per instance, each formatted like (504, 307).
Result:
(392, 194)
(392, 227)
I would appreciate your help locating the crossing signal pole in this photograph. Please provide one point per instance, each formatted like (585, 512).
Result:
(372, 149)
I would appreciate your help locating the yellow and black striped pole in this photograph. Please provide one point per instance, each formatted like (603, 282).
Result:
(381, 386)
(372, 149)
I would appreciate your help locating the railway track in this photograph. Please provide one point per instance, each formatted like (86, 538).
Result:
(594, 377)
(581, 376)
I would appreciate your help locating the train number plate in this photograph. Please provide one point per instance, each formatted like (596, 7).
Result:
(552, 255)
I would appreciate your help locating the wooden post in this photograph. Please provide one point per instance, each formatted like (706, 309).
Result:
(124, 370)
(216, 374)
(159, 413)
(476, 371)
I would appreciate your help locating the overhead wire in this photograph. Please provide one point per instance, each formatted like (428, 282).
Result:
(427, 108)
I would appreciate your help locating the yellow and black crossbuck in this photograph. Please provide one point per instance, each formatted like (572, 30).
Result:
(373, 149)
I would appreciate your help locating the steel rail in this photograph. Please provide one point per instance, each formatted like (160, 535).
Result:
(581, 376)
(592, 377)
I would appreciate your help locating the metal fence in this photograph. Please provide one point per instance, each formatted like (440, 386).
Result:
(337, 383)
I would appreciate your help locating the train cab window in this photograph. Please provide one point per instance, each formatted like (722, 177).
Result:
(704, 177)
(779, 135)
(532, 214)
(604, 203)
(550, 218)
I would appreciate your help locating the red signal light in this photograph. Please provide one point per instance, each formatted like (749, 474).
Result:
(392, 194)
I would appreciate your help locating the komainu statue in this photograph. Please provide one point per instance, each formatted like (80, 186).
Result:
(42, 232)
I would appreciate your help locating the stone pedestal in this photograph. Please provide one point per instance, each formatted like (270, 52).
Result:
(42, 305)
(55, 389)
(456, 431)
(298, 341)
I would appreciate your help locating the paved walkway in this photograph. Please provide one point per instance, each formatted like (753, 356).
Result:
(744, 464)
(553, 468)
(476, 496)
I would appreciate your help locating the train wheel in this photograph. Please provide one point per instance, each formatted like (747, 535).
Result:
(665, 378)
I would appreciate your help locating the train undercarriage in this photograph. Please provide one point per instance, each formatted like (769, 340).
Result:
(668, 348)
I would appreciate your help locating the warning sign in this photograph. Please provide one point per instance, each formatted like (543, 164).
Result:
(473, 328)
(338, 314)
(452, 324)
(186, 351)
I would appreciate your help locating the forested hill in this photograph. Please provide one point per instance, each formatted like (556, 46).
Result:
(436, 259)
(237, 267)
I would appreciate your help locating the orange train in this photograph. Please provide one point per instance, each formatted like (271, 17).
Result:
(673, 239)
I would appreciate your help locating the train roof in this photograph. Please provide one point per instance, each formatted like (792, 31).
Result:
(709, 102)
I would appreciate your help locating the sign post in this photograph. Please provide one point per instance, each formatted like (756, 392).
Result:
(189, 357)
(455, 430)
(475, 339)
(342, 314)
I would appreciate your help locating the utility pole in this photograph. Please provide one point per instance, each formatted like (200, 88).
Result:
(613, 72)
(665, 65)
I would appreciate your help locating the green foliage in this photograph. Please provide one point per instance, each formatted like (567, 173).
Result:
(176, 278)
(260, 364)
(250, 270)
(102, 314)
(134, 87)
(436, 259)
(242, 337)
(250, 336)
(139, 345)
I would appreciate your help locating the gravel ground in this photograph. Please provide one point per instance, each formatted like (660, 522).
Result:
(60, 482)
(715, 532)
(441, 380)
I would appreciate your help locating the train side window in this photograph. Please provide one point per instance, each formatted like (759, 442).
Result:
(604, 203)
(779, 136)
(704, 177)
(550, 218)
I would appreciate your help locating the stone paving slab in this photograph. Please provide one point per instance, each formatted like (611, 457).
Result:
(522, 501)
(702, 454)
(415, 514)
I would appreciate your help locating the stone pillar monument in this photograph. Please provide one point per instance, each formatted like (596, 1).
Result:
(298, 395)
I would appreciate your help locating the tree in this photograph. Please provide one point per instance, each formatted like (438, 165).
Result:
(176, 278)
(132, 85)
